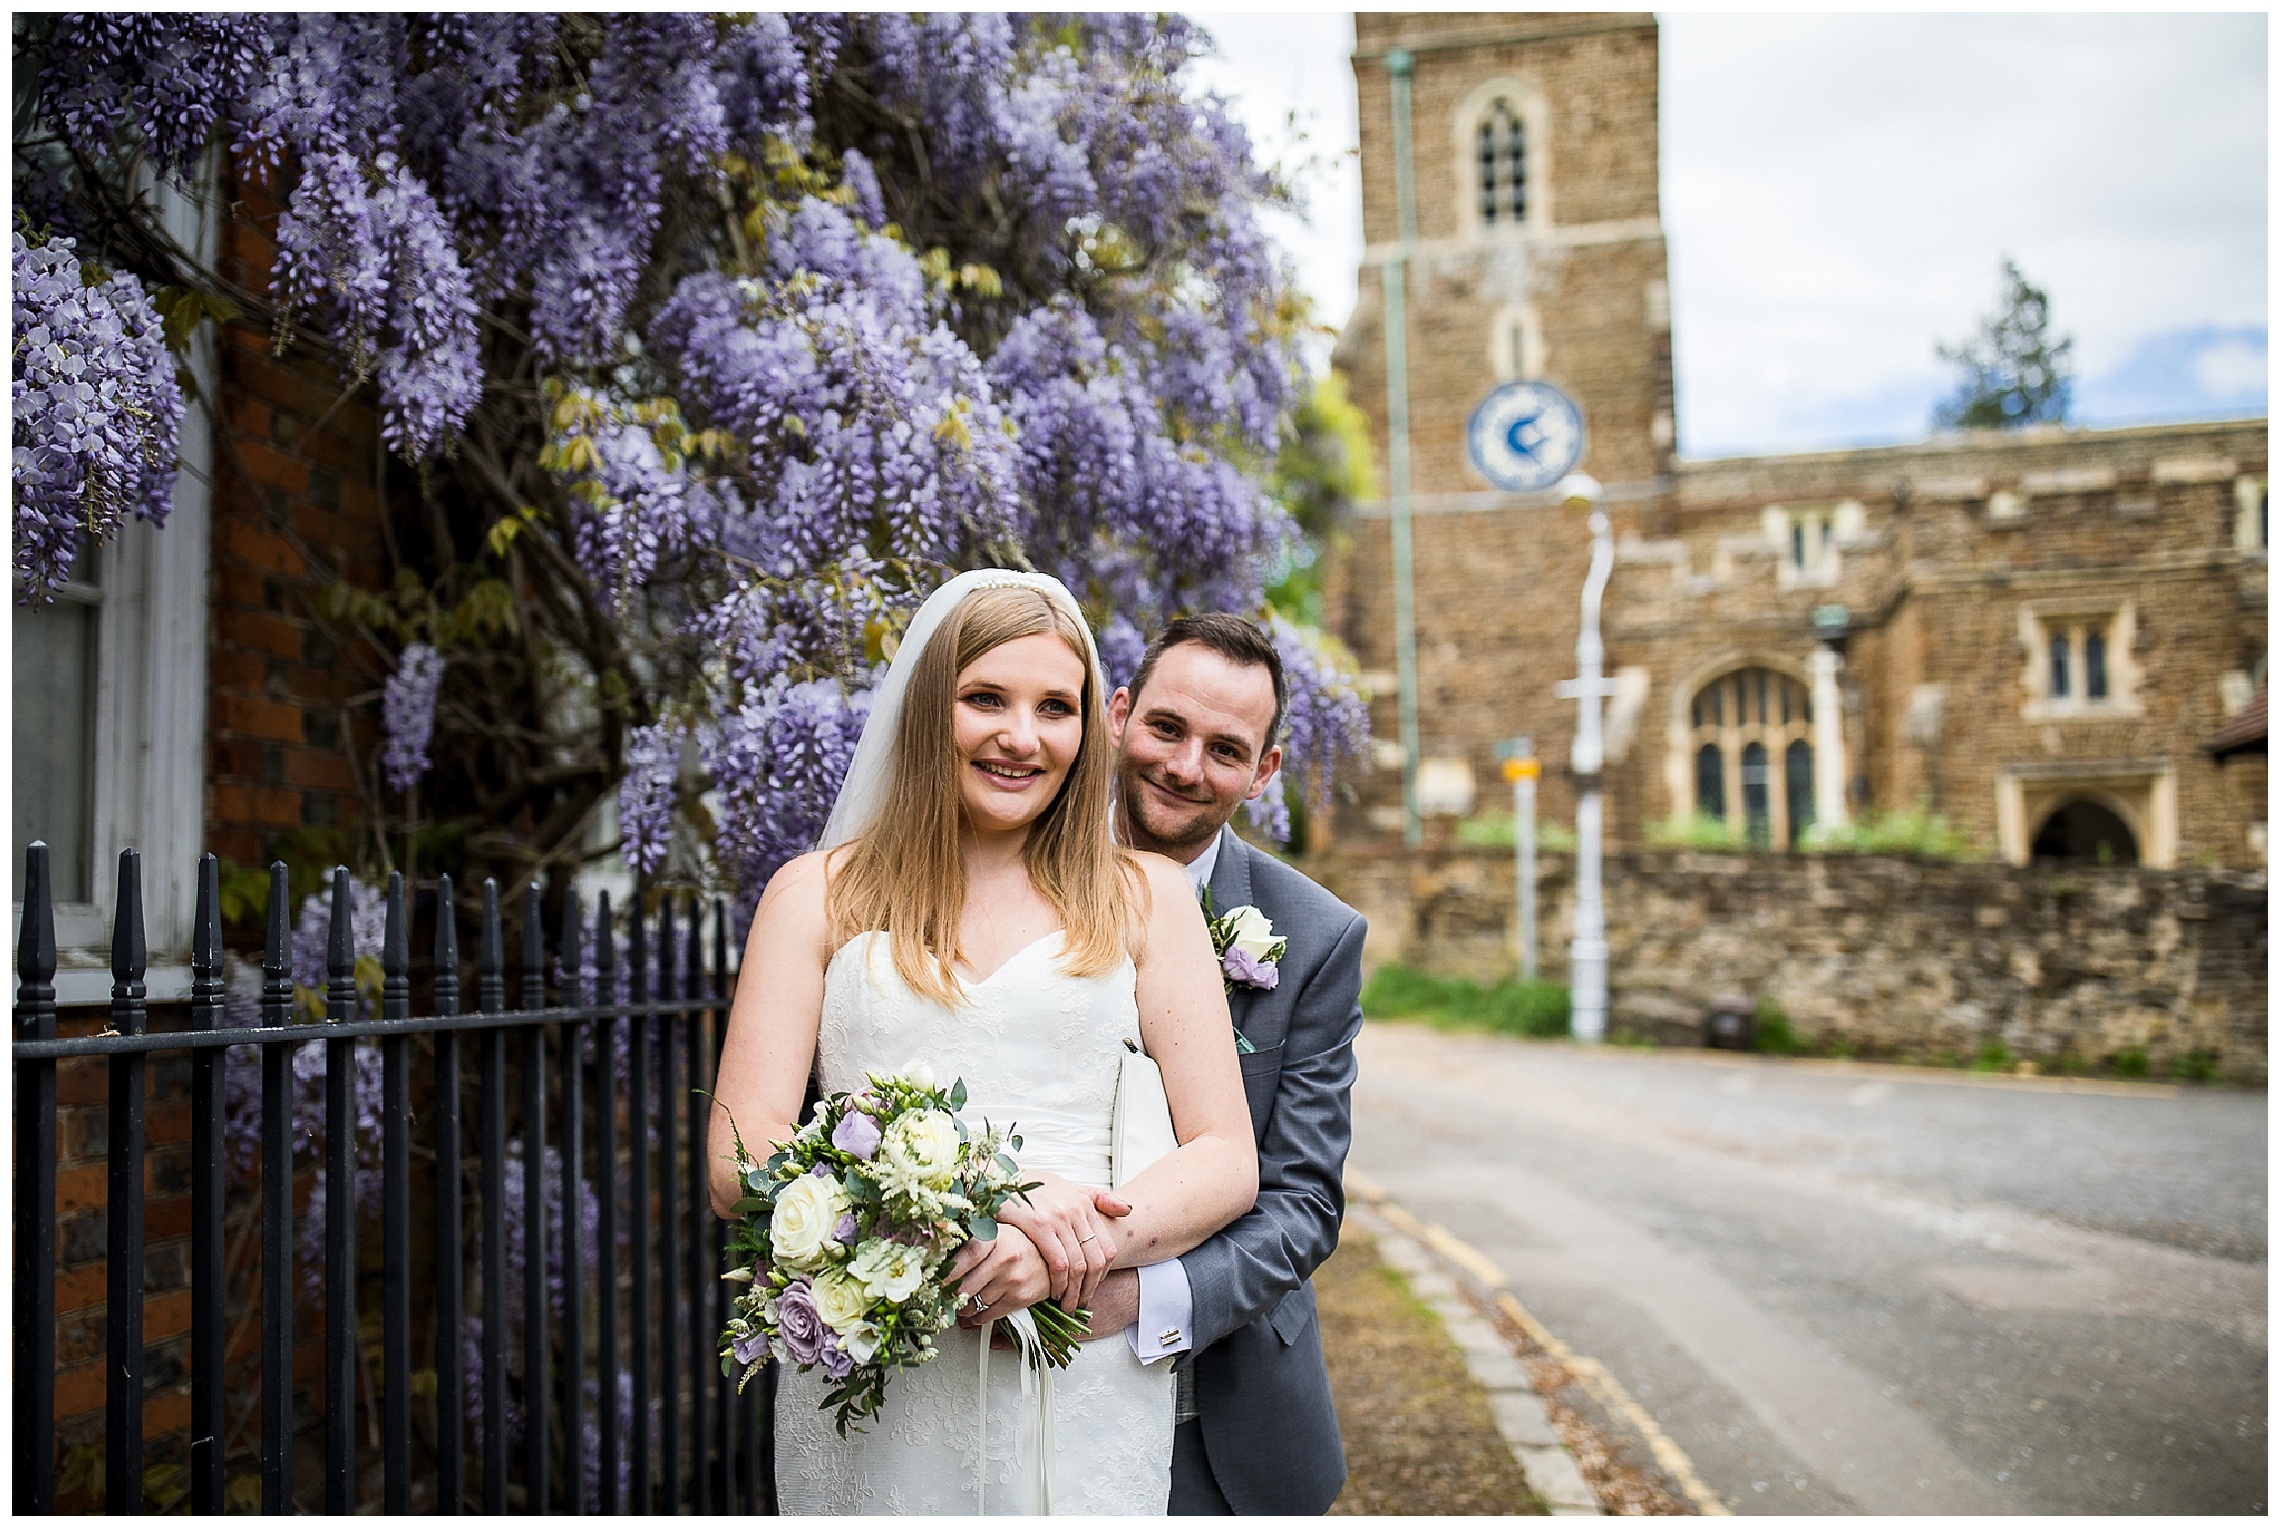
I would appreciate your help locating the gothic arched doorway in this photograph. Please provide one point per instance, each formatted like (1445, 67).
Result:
(2085, 830)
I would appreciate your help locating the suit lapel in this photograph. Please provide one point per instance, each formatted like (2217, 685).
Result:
(1231, 875)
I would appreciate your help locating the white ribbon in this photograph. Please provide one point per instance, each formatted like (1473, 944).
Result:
(1036, 1405)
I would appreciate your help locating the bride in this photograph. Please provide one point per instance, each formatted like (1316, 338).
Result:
(969, 909)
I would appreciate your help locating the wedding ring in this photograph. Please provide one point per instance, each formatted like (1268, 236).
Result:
(1083, 1239)
(981, 1305)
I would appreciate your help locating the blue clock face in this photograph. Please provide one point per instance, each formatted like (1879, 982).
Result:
(1525, 436)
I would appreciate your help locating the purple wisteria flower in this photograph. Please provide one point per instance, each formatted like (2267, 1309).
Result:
(407, 711)
(799, 1324)
(645, 796)
(857, 1134)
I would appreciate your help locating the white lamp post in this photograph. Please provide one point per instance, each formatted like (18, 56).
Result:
(1587, 954)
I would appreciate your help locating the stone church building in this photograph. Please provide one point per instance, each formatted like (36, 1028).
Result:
(2039, 635)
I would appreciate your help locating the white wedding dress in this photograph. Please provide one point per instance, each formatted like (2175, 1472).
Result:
(1038, 1050)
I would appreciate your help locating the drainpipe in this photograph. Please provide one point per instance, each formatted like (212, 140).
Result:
(1395, 273)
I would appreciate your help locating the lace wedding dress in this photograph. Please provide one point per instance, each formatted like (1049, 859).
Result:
(1038, 1050)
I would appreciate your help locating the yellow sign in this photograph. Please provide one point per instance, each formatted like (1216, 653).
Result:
(1516, 770)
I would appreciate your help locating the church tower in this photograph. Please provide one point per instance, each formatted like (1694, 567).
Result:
(1533, 145)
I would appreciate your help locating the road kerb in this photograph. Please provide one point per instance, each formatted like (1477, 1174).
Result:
(1405, 1241)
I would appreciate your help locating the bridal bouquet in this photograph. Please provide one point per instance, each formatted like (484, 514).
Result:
(843, 1239)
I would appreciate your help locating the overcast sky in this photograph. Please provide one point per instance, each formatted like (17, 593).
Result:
(1839, 191)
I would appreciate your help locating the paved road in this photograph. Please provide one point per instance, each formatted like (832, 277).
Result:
(1865, 1289)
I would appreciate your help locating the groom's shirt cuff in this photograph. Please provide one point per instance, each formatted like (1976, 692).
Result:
(1166, 1306)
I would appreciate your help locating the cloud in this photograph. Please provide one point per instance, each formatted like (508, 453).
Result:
(1839, 191)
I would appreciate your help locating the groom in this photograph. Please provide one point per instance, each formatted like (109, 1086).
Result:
(1195, 734)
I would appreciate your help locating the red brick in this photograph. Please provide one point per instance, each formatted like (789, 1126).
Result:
(326, 770)
(263, 633)
(235, 669)
(80, 1188)
(239, 537)
(80, 1288)
(169, 1410)
(78, 1391)
(258, 718)
(164, 1217)
(272, 467)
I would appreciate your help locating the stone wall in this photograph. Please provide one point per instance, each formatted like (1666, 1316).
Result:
(1884, 956)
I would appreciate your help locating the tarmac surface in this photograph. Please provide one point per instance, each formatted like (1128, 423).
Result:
(1851, 1288)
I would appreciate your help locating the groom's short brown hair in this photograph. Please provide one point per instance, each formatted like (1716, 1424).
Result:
(1233, 638)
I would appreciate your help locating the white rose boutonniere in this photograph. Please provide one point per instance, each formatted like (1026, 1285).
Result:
(1249, 951)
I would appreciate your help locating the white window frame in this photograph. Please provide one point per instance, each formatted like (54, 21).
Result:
(2251, 526)
(1527, 103)
(149, 758)
(2040, 620)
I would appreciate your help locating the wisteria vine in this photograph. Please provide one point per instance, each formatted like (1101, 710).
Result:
(762, 324)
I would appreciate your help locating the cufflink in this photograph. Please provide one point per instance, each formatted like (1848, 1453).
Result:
(1171, 1335)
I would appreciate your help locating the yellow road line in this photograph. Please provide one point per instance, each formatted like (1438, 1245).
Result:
(1589, 1372)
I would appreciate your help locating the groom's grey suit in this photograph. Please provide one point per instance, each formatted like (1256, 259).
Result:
(1266, 1436)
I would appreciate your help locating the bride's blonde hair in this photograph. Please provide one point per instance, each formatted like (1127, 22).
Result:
(906, 874)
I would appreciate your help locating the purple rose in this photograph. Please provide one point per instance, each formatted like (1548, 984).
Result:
(845, 1232)
(1244, 971)
(798, 1323)
(747, 1350)
(857, 1135)
(838, 1363)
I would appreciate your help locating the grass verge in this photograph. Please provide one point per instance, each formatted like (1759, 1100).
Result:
(1420, 1439)
(1538, 1009)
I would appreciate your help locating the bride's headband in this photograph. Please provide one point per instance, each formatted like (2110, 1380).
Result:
(865, 789)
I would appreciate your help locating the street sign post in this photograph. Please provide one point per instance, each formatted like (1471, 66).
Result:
(1587, 954)
(1521, 767)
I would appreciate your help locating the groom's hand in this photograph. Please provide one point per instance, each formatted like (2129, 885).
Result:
(1116, 1306)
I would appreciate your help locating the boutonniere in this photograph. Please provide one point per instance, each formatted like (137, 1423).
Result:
(1249, 952)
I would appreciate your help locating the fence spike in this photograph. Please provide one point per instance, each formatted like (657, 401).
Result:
(573, 1199)
(605, 1196)
(206, 1198)
(35, 1195)
(123, 1324)
(396, 1211)
(450, 1372)
(340, 1205)
(669, 1217)
(277, 1205)
(491, 997)
(535, 1238)
(490, 961)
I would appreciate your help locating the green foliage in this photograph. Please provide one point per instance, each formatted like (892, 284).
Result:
(1916, 830)
(309, 855)
(2195, 1066)
(2013, 373)
(1322, 467)
(1538, 1009)
(2129, 1061)
(1497, 830)
(1695, 830)
(1994, 1056)
(1775, 1037)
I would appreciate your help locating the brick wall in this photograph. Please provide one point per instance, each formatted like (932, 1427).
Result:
(296, 506)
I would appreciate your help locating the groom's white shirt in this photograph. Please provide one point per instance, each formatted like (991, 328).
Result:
(1165, 1300)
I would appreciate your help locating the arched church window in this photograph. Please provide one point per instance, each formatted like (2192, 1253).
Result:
(2094, 664)
(1503, 166)
(1754, 726)
(2061, 681)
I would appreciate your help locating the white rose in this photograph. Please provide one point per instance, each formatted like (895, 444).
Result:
(840, 1301)
(890, 1270)
(928, 1143)
(917, 1073)
(1251, 932)
(806, 1214)
(861, 1341)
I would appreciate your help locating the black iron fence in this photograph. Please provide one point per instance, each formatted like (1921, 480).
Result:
(615, 1400)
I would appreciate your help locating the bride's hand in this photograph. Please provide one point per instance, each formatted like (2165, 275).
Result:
(999, 1277)
(1069, 1227)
